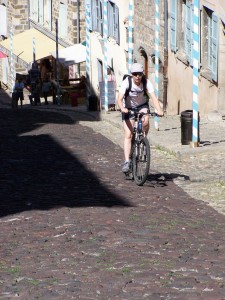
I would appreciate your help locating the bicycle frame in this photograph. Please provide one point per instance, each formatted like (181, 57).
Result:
(140, 150)
(138, 132)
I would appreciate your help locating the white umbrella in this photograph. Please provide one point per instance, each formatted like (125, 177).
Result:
(71, 55)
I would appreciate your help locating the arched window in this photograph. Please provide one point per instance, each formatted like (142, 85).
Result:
(145, 60)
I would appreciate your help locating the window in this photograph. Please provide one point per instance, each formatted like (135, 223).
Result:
(97, 18)
(182, 29)
(210, 44)
(182, 35)
(173, 25)
(34, 10)
(41, 12)
(188, 30)
(113, 21)
(213, 44)
(3, 17)
(62, 20)
(48, 14)
(37, 11)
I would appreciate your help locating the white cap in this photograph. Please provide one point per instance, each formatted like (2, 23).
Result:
(136, 68)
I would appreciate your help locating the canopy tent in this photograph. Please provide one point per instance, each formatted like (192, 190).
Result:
(71, 55)
(23, 46)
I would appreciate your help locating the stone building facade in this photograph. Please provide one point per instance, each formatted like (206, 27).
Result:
(42, 15)
(176, 40)
(144, 39)
(17, 15)
(75, 19)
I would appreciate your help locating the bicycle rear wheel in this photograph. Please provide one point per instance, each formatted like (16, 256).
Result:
(141, 161)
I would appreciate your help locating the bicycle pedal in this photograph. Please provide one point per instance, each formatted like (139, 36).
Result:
(129, 176)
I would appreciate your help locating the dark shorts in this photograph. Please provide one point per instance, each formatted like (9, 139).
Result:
(131, 117)
(19, 95)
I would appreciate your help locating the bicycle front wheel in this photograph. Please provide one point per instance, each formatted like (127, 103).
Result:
(141, 161)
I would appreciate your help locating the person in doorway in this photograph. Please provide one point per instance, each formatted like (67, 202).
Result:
(36, 92)
(46, 69)
(46, 89)
(18, 90)
(136, 99)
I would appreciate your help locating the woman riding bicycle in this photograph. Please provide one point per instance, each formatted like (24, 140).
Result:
(136, 99)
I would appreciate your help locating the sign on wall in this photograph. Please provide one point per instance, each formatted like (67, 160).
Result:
(111, 92)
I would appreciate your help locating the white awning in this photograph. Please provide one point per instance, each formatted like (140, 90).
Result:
(71, 55)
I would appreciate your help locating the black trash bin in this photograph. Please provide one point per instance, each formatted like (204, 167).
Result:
(186, 127)
(93, 103)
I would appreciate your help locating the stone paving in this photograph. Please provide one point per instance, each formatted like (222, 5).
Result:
(198, 171)
(73, 228)
(203, 167)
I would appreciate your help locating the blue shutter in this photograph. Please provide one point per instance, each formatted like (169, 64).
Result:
(117, 33)
(89, 5)
(214, 47)
(110, 19)
(94, 14)
(188, 33)
(113, 21)
(101, 14)
(173, 25)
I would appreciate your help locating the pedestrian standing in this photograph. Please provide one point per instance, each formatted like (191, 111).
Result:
(18, 90)
(36, 92)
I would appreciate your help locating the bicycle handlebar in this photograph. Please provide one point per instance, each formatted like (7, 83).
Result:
(136, 112)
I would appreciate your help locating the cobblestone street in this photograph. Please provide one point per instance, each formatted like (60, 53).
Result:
(73, 228)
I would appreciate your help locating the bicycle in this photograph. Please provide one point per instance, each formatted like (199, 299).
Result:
(140, 150)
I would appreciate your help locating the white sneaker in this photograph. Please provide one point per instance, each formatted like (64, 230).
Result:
(126, 167)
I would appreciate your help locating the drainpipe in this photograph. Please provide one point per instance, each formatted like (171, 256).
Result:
(165, 68)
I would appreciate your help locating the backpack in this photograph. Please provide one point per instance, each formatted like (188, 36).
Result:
(144, 82)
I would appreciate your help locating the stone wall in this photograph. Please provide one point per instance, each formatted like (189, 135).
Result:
(144, 37)
(72, 19)
(17, 15)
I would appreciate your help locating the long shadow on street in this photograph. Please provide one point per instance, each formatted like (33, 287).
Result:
(38, 171)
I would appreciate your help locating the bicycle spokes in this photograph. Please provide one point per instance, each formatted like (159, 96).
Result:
(141, 161)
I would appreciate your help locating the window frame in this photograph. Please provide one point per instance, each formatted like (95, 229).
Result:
(213, 32)
(4, 23)
(113, 20)
(97, 18)
(173, 25)
(48, 14)
(34, 10)
(188, 31)
(62, 24)
(185, 32)
(210, 42)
